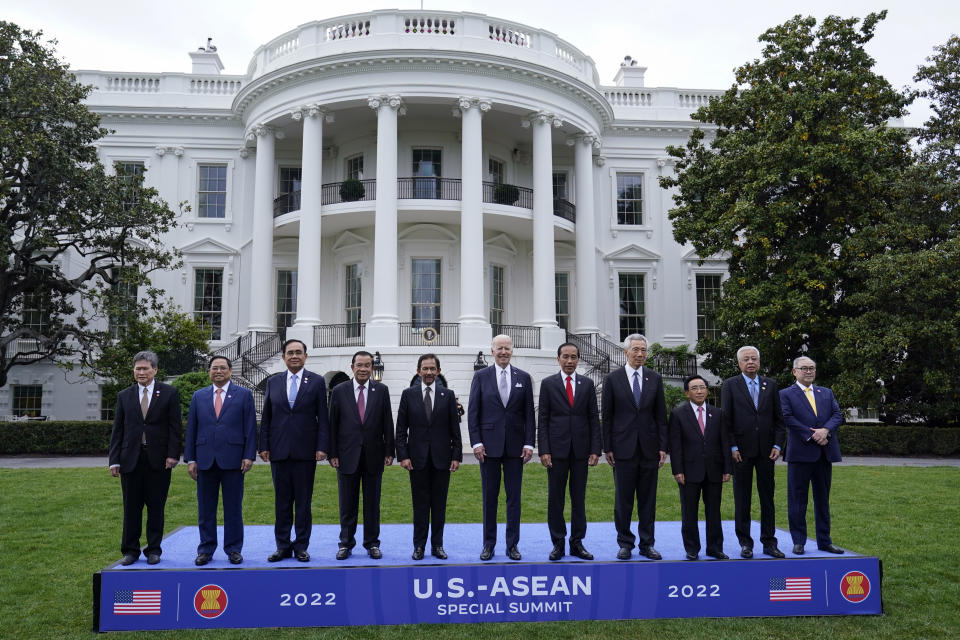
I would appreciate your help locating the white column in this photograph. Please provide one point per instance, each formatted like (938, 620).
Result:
(544, 299)
(261, 295)
(474, 328)
(586, 303)
(382, 326)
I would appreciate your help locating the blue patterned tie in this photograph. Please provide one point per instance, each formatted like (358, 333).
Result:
(636, 388)
(755, 394)
(292, 394)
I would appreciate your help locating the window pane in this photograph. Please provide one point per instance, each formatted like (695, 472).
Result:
(632, 318)
(289, 180)
(286, 298)
(562, 295)
(208, 300)
(425, 293)
(496, 294)
(124, 290)
(560, 184)
(355, 168)
(629, 198)
(708, 294)
(495, 170)
(212, 191)
(129, 172)
(27, 399)
(353, 295)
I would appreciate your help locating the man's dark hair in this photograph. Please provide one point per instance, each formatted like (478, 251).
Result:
(428, 356)
(284, 349)
(229, 363)
(689, 379)
(568, 344)
(353, 360)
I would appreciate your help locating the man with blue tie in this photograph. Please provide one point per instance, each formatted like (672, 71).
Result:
(294, 436)
(812, 416)
(502, 431)
(220, 448)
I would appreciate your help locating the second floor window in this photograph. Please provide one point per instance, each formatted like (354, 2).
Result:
(629, 198)
(129, 173)
(425, 293)
(289, 180)
(354, 169)
(212, 191)
(495, 170)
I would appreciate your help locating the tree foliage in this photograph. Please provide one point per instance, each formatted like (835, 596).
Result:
(67, 227)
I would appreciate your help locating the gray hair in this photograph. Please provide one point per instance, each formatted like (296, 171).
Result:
(149, 356)
(502, 335)
(747, 348)
(634, 337)
(796, 361)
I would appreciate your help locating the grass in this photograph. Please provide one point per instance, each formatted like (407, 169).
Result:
(59, 526)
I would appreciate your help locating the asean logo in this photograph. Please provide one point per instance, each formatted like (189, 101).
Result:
(210, 601)
(855, 586)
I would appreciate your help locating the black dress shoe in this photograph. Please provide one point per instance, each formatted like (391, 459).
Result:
(746, 552)
(651, 553)
(153, 558)
(692, 556)
(128, 559)
(719, 555)
(202, 559)
(487, 553)
(279, 555)
(831, 548)
(557, 552)
(417, 553)
(624, 553)
(798, 549)
(513, 553)
(579, 551)
(343, 553)
(374, 552)
(303, 556)
(774, 552)
(439, 553)
(235, 557)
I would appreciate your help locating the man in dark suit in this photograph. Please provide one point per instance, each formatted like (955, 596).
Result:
(753, 425)
(635, 442)
(812, 416)
(701, 464)
(221, 446)
(429, 447)
(294, 436)
(569, 442)
(144, 447)
(502, 432)
(361, 444)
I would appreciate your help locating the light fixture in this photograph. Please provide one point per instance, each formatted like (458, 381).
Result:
(480, 363)
(377, 367)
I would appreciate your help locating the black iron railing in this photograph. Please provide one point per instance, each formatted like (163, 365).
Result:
(348, 191)
(353, 334)
(247, 353)
(508, 194)
(671, 365)
(286, 202)
(523, 337)
(447, 334)
(564, 209)
(428, 188)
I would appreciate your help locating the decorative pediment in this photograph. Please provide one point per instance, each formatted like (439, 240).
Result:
(632, 252)
(426, 231)
(208, 246)
(502, 242)
(691, 255)
(349, 240)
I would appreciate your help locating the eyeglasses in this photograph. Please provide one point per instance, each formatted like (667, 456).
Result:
(807, 369)
(698, 387)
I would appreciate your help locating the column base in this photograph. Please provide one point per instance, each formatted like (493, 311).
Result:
(476, 336)
(382, 334)
(552, 337)
(302, 332)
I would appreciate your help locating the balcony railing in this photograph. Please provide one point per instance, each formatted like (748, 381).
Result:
(348, 191)
(523, 337)
(508, 194)
(674, 366)
(445, 335)
(286, 202)
(429, 188)
(353, 334)
(564, 210)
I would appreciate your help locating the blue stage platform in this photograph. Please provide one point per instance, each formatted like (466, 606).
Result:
(397, 590)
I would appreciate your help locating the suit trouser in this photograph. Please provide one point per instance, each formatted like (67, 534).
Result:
(143, 487)
(490, 470)
(635, 478)
(800, 475)
(690, 494)
(574, 469)
(428, 489)
(210, 482)
(293, 490)
(348, 490)
(743, 493)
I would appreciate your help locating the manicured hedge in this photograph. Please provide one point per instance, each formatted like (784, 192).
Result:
(872, 440)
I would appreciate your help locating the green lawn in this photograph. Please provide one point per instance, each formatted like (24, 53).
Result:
(58, 527)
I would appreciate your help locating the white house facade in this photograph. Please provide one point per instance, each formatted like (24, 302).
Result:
(404, 182)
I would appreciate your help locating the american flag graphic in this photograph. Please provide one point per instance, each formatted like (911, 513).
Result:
(136, 602)
(789, 589)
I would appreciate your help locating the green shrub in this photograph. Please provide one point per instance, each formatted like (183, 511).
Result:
(186, 385)
(352, 190)
(506, 194)
(69, 438)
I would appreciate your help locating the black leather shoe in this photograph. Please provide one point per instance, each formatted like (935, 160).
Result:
(235, 557)
(624, 553)
(202, 559)
(439, 553)
(343, 553)
(651, 553)
(128, 559)
(487, 553)
(746, 552)
(831, 548)
(417, 553)
(693, 556)
(303, 556)
(153, 558)
(557, 552)
(719, 555)
(374, 552)
(278, 555)
(798, 549)
(513, 553)
(773, 552)
(579, 551)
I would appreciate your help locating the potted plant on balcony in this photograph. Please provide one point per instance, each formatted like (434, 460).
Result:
(505, 193)
(351, 190)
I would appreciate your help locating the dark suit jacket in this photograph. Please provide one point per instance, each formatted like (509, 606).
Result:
(162, 425)
(300, 432)
(627, 427)
(753, 430)
(436, 440)
(226, 440)
(698, 456)
(348, 437)
(561, 427)
(801, 421)
(503, 430)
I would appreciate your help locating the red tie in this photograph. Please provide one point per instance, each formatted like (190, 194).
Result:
(218, 402)
(361, 404)
(569, 391)
(700, 420)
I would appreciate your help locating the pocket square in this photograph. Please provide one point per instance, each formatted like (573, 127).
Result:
(518, 385)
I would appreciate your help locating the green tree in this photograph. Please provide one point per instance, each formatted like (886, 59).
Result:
(69, 232)
(800, 159)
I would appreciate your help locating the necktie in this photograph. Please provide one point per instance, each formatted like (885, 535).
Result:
(361, 404)
(636, 388)
(810, 399)
(292, 394)
(145, 402)
(755, 394)
(570, 390)
(218, 402)
(703, 427)
(427, 404)
(504, 387)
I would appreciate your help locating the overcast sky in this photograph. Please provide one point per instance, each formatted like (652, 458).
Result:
(683, 43)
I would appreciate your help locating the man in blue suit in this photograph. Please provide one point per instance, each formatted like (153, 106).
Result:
(502, 432)
(221, 446)
(812, 416)
(294, 436)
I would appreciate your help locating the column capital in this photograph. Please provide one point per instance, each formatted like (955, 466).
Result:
(542, 117)
(244, 152)
(600, 161)
(312, 111)
(466, 102)
(262, 130)
(393, 101)
(162, 150)
(589, 139)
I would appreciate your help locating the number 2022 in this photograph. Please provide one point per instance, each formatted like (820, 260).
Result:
(693, 591)
(313, 599)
